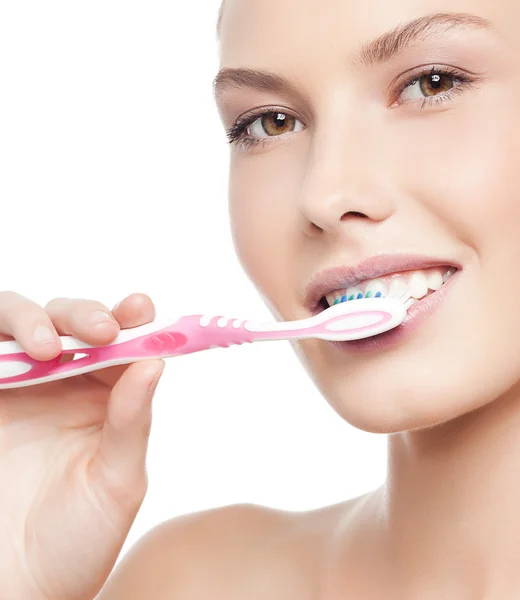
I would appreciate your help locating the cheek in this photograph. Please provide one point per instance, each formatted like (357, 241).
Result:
(264, 224)
(462, 178)
(467, 167)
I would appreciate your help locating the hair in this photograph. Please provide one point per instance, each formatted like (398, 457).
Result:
(220, 15)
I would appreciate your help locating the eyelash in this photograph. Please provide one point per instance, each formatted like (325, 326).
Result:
(237, 133)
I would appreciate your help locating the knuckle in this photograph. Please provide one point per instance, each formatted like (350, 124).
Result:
(14, 306)
(97, 312)
(55, 303)
(76, 308)
(8, 299)
(28, 323)
(95, 305)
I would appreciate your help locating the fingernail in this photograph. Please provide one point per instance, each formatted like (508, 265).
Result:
(43, 335)
(98, 317)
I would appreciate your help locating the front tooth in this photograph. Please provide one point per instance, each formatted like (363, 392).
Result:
(435, 280)
(398, 288)
(418, 285)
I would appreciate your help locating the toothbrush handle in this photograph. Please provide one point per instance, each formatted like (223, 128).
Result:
(192, 334)
(153, 340)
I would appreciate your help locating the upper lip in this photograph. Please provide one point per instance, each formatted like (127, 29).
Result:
(346, 276)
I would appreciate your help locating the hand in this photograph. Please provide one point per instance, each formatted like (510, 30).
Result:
(72, 453)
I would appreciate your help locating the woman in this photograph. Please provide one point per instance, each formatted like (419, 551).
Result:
(369, 140)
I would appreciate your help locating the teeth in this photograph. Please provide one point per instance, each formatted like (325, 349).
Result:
(414, 284)
(398, 288)
(435, 280)
(374, 287)
(418, 285)
(354, 293)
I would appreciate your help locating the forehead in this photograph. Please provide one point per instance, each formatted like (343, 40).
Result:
(274, 32)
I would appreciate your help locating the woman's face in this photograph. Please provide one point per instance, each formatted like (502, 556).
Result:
(410, 145)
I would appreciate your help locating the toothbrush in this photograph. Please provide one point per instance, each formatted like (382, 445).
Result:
(351, 320)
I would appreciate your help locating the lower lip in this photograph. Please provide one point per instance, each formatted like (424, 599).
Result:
(416, 315)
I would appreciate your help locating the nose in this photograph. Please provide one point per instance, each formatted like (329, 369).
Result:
(345, 185)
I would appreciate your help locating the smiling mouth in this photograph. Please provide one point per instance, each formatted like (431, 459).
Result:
(417, 284)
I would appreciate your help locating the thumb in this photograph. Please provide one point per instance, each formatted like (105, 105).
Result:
(124, 438)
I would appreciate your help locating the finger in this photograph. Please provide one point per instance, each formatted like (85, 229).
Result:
(88, 320)
(30, 325)
(121, 460)
(134, 310)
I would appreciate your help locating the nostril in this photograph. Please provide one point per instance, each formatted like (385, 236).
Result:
(354, 213)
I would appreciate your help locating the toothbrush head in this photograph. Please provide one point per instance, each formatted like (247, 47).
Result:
(361, 318)
(402, 295)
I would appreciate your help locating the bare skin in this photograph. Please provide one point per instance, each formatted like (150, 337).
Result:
(365, 164)
(73, 470)
(365, 167)
(72, 460)
(243, 552)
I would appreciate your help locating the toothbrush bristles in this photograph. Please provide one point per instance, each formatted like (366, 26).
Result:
(409, 302)
(405, 298)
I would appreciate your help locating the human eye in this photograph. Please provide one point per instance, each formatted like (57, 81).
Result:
(434, 86)
(257, 127)
(427, 88)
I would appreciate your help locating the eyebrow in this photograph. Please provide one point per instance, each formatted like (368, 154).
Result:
(378, 51)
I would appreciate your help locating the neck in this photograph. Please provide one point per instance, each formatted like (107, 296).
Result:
(452, 504)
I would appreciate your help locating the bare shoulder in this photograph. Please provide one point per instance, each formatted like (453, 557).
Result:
(225, 552)
(195, 550)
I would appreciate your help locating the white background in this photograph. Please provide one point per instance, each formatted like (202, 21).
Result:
(113, 180)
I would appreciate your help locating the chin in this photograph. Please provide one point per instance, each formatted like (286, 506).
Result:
(399, 408)
(415, 386)
(463, 357)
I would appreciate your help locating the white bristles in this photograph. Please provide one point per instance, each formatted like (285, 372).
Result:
(407, 300)
(409, 303)
(403, 295)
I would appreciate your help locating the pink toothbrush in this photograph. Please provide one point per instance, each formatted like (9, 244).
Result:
(352, 320)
